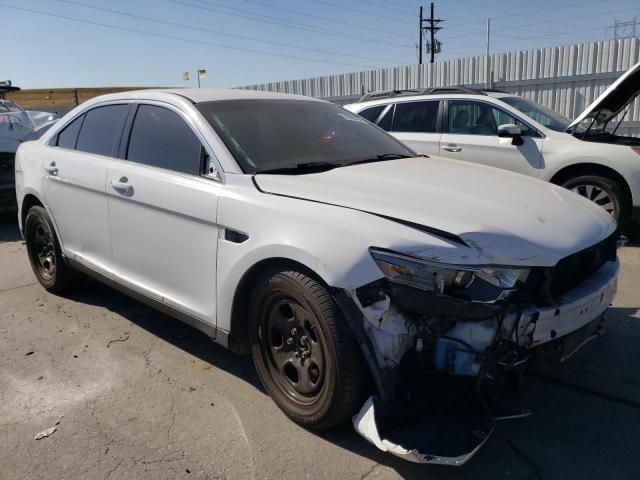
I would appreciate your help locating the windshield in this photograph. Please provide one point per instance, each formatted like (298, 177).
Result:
(543, 115)
(9, 106)
(266, 134)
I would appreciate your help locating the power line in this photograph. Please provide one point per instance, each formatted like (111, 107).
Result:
(305, 14)
(282, 23)
(561, 21)
(632, 24)
(533, 12)
(385, 4)
(214, 32)
(362, 12)
(182, 39)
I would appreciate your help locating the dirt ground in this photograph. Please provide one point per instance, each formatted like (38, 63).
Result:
(136, 394)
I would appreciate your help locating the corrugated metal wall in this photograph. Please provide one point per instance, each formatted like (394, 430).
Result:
(566, 78)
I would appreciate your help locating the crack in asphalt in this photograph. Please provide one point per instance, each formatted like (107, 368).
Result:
(369, 472)
(586, 390)
(18, 287)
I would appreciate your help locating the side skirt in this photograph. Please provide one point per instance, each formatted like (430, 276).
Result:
(218, 335)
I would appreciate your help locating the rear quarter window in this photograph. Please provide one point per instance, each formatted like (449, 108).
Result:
(101, 129)
(68, 137)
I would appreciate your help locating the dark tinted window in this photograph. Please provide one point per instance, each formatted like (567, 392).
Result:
(69, 135)
(268, 134)
(101, 128)
(372, 113)
(416, 117)
(385, 121)
(161, 138)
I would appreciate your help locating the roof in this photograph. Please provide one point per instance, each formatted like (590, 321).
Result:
(384, 98)
(198, 95)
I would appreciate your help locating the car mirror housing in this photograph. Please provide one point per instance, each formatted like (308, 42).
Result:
(509, 130)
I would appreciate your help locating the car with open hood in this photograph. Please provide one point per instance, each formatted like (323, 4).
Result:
(16, 126)
(368, 283)
(596, 155)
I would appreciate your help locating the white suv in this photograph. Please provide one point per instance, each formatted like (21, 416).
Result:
(357, 274)
(506, 131)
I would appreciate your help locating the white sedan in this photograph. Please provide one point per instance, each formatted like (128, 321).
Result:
(362, 278)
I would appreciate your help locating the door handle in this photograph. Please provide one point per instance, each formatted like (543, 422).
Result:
(122, 186)
(51, 169)
(452, 148)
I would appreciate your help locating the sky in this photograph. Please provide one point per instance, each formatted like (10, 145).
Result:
(91, 43)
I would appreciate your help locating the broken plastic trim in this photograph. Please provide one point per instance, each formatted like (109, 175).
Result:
(365, 424)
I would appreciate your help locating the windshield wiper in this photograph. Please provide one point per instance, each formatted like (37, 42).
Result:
(380, 158)
(301, 168)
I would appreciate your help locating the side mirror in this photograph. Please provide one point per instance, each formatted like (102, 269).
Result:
(509, 130)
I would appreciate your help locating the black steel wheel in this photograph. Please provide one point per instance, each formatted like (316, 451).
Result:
(305, 354)
(45, 256)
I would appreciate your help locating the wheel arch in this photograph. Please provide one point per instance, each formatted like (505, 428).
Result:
(586, 168)
(239, 331)
(29, 200)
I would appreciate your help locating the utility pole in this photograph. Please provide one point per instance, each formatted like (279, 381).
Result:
(488, 58)
(432, 28)
(420, 29)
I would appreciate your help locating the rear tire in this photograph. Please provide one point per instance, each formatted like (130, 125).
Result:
(45, 255)
(306, 356)
(604, 192)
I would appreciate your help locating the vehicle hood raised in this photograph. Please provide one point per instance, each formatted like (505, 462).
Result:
(614, 99)
(506, 218)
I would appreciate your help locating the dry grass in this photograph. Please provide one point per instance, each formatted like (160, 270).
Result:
(62, 97)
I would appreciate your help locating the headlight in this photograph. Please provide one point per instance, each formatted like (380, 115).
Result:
(479, 283)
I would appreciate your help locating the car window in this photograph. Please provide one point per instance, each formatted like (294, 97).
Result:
(539, 113)
(479, 118)
(68, 137)
(386, 120)
(416, 117)
(266, 134)
(161, 138)
(100, 129)
(372, 113)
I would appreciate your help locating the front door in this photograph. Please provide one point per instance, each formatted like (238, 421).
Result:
(162, 214)
(471, 134)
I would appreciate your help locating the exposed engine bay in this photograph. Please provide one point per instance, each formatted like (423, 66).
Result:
(447, 357)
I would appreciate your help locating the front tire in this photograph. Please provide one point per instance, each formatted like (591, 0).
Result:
(305, 354)
(604, 192)
(45, 255)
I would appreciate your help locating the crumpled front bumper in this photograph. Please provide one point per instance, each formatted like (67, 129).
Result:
(576, 309)
(576, 319)
(365, 424)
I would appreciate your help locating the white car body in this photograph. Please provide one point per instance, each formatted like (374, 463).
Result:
(188, 244)
(547, 154)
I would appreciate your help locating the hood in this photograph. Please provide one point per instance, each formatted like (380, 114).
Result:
(507, 218)
(42, 119)
(614, 99)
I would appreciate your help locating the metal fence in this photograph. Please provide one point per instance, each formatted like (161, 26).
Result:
(566, 78)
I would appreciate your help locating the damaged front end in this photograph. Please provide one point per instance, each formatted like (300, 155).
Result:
(447, 344)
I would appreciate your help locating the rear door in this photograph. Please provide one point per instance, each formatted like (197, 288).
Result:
(162, 212)
(74, 183)
(471, 134)
(417, 124)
